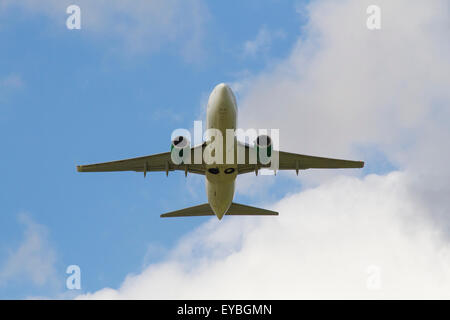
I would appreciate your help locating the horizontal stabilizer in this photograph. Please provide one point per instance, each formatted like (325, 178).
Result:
(235, 209)
(196, 211)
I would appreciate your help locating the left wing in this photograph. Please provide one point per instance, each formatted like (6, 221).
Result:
(157, 162)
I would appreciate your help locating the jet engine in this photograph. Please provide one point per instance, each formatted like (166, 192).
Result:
(179, 149)
(263, 145)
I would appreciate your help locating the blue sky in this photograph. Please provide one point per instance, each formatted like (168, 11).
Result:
(79, 98)
(117, 89)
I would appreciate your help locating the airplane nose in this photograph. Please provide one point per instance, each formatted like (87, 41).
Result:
(223, 90)
(222, 95)
(222, 85)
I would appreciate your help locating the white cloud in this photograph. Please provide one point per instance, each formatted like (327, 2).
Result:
(343, 87)
(141, 26)
(319, 247)
(261, 44)
(252, 185)
(34, 260)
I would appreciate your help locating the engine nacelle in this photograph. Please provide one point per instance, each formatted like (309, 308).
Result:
(263, 145)
(179, 149)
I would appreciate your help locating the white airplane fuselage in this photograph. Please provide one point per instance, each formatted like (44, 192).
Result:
(221, 115)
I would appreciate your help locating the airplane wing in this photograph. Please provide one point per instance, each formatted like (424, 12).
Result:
(293, 161)
(157, 162)
(235, 209)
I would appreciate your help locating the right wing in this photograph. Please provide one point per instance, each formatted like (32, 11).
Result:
(235, 209)
(294, 161)
(157, 162)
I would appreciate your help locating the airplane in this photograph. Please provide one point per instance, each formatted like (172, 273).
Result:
(220, 175)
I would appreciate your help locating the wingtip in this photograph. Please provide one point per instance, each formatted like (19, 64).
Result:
(79, 168)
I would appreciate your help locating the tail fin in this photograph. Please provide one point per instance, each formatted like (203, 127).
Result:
(235, 209)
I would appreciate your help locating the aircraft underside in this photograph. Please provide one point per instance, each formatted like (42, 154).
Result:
(221, 169)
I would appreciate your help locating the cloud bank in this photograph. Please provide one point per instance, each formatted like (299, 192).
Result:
(322, 246)
(343, 90)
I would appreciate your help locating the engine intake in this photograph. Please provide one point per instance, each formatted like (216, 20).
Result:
(179, 149)
(264, 149)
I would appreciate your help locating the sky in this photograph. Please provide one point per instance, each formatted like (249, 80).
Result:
(133, 73)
